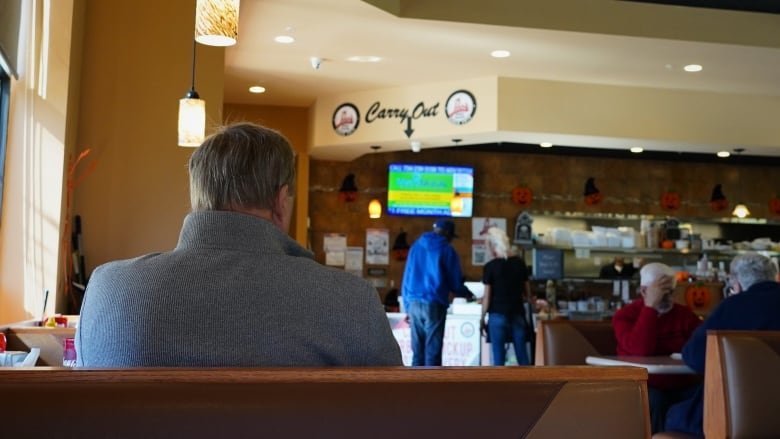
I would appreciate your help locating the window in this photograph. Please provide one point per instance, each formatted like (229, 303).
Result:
(5, 97)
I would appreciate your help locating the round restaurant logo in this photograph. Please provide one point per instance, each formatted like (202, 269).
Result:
(346, 119)
(460, 107)
(467, 329)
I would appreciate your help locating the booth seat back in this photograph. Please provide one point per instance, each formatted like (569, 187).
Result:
(742, 384)
(569, 342)
(517, 402)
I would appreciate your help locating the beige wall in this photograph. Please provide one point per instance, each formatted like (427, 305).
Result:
(293, 123)
(389, 132)
(642, 113)
(137, 61)
(37, 145)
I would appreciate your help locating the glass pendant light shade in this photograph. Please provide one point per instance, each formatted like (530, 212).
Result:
(375, 209)
(192, 119)
(216, 22)
(740, 211)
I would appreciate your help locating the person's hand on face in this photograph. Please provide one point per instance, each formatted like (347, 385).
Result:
(658, 292)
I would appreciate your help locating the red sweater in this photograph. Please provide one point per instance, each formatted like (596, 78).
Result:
(640, 330)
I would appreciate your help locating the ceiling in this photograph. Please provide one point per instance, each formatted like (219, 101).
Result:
(425, 41)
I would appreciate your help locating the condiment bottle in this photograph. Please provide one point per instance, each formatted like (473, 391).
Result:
(2, 342)
(69, 353)
(549, 292)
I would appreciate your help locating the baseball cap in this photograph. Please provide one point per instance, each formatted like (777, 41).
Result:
(447, 226)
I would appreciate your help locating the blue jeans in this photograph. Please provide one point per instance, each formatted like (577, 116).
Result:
(500, 326)
(427, 324)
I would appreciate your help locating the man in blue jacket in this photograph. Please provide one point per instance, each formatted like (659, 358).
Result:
(754, 304)
(432, 274)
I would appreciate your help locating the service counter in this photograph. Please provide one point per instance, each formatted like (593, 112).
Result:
(462, 339)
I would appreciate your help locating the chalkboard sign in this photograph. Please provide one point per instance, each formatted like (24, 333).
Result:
(547, 264)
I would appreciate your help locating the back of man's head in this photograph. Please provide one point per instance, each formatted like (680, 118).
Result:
(652, 271)
(751, 268)
(445, 228)
(241, 166)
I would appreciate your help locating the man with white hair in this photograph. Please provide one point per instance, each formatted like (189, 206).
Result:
(754, 304)
(654, 324)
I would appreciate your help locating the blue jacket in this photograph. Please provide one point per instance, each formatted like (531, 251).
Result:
(757, 308)
(432, 271)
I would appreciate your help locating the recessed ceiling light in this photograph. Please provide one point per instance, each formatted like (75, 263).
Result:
(500, 54)
(284, 39)
(546, 145)
(256, 89)
(364, 58)
(636, 149)
(693, 68)
(723, 153)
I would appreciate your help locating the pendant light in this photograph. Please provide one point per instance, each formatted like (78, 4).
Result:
(216, 22)
(375, 206)
(192, 113)
(740, 210)
(375, 209)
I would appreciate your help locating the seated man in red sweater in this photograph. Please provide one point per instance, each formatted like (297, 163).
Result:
(654, 324)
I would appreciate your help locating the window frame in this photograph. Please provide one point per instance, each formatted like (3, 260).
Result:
(5, 103)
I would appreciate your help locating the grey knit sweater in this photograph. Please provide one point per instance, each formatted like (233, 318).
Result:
(235, 291)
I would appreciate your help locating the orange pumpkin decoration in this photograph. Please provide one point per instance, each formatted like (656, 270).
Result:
(670, 200)
(592, 199)
(347, 196)
(400, 254)
(774, 205)
(697, 296)
(682, 276)
(522, 196)
(719, 205)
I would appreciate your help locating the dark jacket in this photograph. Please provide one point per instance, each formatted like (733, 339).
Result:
(757, 308)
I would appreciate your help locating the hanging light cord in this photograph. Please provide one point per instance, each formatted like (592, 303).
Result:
(192, 94)
(194, 46)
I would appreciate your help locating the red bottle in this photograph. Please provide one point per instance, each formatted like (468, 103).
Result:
(69, 354)
(2, 342)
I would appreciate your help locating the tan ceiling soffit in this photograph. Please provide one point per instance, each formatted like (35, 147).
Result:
(603, 17)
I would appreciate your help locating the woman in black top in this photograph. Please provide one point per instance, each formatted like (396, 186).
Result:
(506, 289)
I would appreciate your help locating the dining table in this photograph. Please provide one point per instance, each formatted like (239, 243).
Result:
(657, 364)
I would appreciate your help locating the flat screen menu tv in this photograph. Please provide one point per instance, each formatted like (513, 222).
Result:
(430, 190)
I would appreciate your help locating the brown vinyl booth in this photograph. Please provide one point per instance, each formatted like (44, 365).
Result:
(742, 385)
(519, 402)
(569, 342)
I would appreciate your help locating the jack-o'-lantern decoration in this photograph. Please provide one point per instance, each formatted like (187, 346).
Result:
(774, 205)
(592, 193)
(718, 201)
(670, 200)
(522, 195)
(348, 190)
(698, 296)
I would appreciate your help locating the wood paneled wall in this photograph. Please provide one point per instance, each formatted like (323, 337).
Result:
(630, 186)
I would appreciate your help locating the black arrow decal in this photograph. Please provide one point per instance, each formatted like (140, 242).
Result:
(408, 129)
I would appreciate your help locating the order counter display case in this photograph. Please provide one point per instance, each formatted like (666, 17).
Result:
(462, 339)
